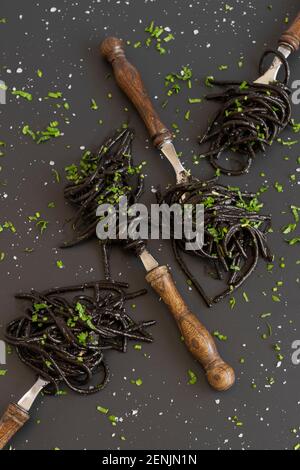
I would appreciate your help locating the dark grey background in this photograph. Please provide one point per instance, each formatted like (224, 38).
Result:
(170, 413)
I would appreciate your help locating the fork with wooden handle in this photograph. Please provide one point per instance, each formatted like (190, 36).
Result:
(287, 44)
(197, 339)
(130, 81)
(17, 414)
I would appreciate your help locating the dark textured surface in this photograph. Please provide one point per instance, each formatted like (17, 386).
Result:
(165, 412)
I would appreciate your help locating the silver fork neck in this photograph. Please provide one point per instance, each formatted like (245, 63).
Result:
(272, 73)
(168, 149)
(28, 399)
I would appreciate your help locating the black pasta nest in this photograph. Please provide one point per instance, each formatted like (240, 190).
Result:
(251, 117)
(102, 178)
(65, 341)
(234, 233)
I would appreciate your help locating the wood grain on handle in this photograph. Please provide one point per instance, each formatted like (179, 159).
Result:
(130, 81)
(197, 339)
(11, 422)
(291, 37)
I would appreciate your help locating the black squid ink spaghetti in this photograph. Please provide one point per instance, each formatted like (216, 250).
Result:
(251, 117)
(65, 339)
(234, 234)
(102, 178)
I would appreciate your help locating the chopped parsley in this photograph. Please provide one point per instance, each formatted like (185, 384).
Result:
(41, 224)
(102, 410)
(290, 228)
(173, 81)
(51, 131)
(193, 379)
(209, 81)
(267, 335)
(22, 94)
(294, 241)
(287, 143)
(220, 336)
(159, 36)
(278, 187)
(137, 382)
(8, 226)
(54, 95)
(195, 100)
(94, 105)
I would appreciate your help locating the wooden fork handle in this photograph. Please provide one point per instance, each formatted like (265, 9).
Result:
(197, 339)
(291, 37)
(130, 81)
(11, 422)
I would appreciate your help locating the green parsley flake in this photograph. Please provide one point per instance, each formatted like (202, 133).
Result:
(94, 105)
(278, 187)
(287, 143)
(102, 410)
(137, 382)
(113, 419)
(193, 379)
(209, 81)
(219, 336)
(195, 100)
(236, 421)
(55, 95)
(23, 94)
(265, 336)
